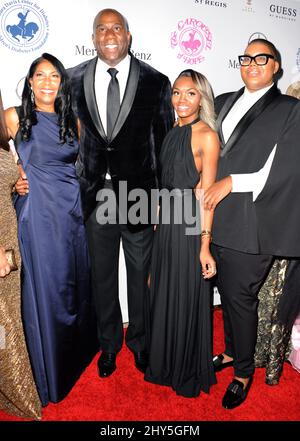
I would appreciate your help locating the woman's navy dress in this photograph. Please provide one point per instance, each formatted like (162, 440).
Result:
(56, 296)
(180, 299)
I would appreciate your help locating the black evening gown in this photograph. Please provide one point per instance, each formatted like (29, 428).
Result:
(180, 352)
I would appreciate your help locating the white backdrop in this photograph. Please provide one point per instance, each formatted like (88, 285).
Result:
(171, 35)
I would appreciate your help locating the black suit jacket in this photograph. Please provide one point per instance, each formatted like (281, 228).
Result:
(236, 224)
(278, 205)
(146, 115)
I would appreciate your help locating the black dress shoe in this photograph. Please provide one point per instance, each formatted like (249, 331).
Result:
(106, 364)
(236, 394)
(141, 360)
(218, 365)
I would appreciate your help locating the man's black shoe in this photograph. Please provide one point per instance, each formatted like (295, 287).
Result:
(236, 394)
(218, 363)
(141, 360)
(106, 364)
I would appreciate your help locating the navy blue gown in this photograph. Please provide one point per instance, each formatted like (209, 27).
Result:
(57, 312)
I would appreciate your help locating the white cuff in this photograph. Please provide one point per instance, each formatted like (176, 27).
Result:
(242, 183)
(253, 182)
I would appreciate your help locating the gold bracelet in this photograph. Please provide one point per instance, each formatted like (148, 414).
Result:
(208, 236)
(205, 233)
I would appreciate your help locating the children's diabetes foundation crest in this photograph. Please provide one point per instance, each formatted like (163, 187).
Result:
(24, 26)
(191, 39)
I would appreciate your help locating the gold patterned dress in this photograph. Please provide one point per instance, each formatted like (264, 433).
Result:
(272, 346)
(274, 339)
(18, 394)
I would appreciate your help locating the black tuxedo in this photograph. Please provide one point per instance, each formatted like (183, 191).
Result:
(144, 119)
(246, 151)
(240, 241)
(131, 155)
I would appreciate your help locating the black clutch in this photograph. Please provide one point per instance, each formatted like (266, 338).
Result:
(11, 259)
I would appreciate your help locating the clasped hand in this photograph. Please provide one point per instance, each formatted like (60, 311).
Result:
(216, 192)
(22, 186)
(4, 265)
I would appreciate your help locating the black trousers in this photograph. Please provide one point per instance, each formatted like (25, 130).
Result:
(239, 279)
(104, 246)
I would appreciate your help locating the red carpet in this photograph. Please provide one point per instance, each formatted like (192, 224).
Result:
(125, 396)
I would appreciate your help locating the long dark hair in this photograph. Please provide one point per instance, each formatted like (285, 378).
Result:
(3, 132)
(62, 105)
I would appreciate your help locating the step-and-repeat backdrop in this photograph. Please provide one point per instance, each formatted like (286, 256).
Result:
(171, 35)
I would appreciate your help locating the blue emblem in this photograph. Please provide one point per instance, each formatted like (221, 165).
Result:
(24, 30)
(24, 27)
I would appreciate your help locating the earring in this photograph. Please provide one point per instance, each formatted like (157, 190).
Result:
(32, 96)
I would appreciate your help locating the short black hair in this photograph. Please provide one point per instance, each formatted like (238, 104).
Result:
(268, 43)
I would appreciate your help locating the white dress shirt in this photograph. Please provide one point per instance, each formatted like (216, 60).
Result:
(247, 182)
(102, 79)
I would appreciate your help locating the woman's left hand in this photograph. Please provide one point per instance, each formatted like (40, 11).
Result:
(208, 264)
(4, 265)
(22, 186)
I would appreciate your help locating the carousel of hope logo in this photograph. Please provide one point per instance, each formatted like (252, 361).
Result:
(192, 37)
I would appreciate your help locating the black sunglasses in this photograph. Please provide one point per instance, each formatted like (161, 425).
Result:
(259, 59)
